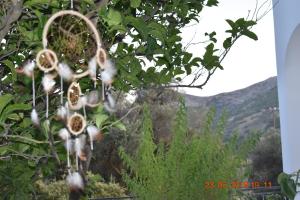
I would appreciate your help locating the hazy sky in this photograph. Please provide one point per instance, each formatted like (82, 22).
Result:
(249, 61)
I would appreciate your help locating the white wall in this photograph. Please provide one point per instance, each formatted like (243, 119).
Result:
(287, 39)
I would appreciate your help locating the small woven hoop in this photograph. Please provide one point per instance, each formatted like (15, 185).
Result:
(47, 52)
(71, 106)
(81, 16)
(71, 122)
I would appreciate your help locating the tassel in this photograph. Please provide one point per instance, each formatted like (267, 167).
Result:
(83, 101)
(64, 134)
(35, 118)
(69, 145)
(62, 113)
(110, 104)
(75, 181)
(93, 68)
(48, 83)
(28, 69)
(109, 72)
(94, 134)
(65, 72)
(79, 147)
(93, 98)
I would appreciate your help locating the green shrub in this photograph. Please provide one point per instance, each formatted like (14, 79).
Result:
(95, 188)
(183, 169)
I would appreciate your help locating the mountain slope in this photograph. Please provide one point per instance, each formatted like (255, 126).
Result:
(248, 109)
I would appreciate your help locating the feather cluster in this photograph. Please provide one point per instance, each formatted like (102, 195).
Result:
(48, 83)
(65, 72)
(94, 134)
(62, 113)
(93, 68)
(93, 98)
(75, 181)
(79, 147)
(64, 134)
(110, 103)
(109, 72)
(35, 118)
(28, 69)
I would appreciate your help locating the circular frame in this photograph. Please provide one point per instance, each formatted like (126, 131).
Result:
(71, 122)
(53, 65)
(78, 105)
(81, 16)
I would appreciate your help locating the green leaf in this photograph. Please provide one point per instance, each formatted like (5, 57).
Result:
(114, 17)
(11, 66)
(135, 3)
(212, 3)
(100, 118)
(250, 34)
(120, 126)
(14, 107)
(14, 116)
(227, 43)
(4, 100)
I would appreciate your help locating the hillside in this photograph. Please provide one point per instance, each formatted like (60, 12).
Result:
(248, 109)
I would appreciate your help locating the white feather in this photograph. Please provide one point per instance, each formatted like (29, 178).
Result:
(79, 145)
(69, 145)
(65, 71)
(83, 101)
(28, 68)
(93, 68)
(48, 83)
(93, 97)
(93, 131)
(62, 112)
(108, 108)
(111, 101)
(75, 181)
(34, 117)
(64, 134)
(109, 72)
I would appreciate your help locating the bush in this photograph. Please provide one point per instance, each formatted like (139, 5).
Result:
(184, 168)
(95, 188)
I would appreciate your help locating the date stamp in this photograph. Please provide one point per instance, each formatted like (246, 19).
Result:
(236, 184)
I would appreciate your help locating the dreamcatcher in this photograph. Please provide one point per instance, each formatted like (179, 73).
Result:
(72, 50)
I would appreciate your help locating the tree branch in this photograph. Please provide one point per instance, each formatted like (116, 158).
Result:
(13, 14)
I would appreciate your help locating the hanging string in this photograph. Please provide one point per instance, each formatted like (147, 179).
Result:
(84, 112)
(61, 91)
(77, 161)
(33, 91)
(47, 105)
(72, 4)
(103, 91)
(68, 156)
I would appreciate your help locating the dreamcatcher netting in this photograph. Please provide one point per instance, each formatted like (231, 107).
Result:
(72, 50)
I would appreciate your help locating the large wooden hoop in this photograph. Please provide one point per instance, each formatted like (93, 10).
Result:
(81, 16)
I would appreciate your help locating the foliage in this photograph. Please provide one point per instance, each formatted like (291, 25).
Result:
(95, 188)
(184, 168)
(288, 183)
(136, 33)
(266, 158)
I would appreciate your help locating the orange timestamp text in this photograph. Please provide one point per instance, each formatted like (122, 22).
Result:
(236, 184)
